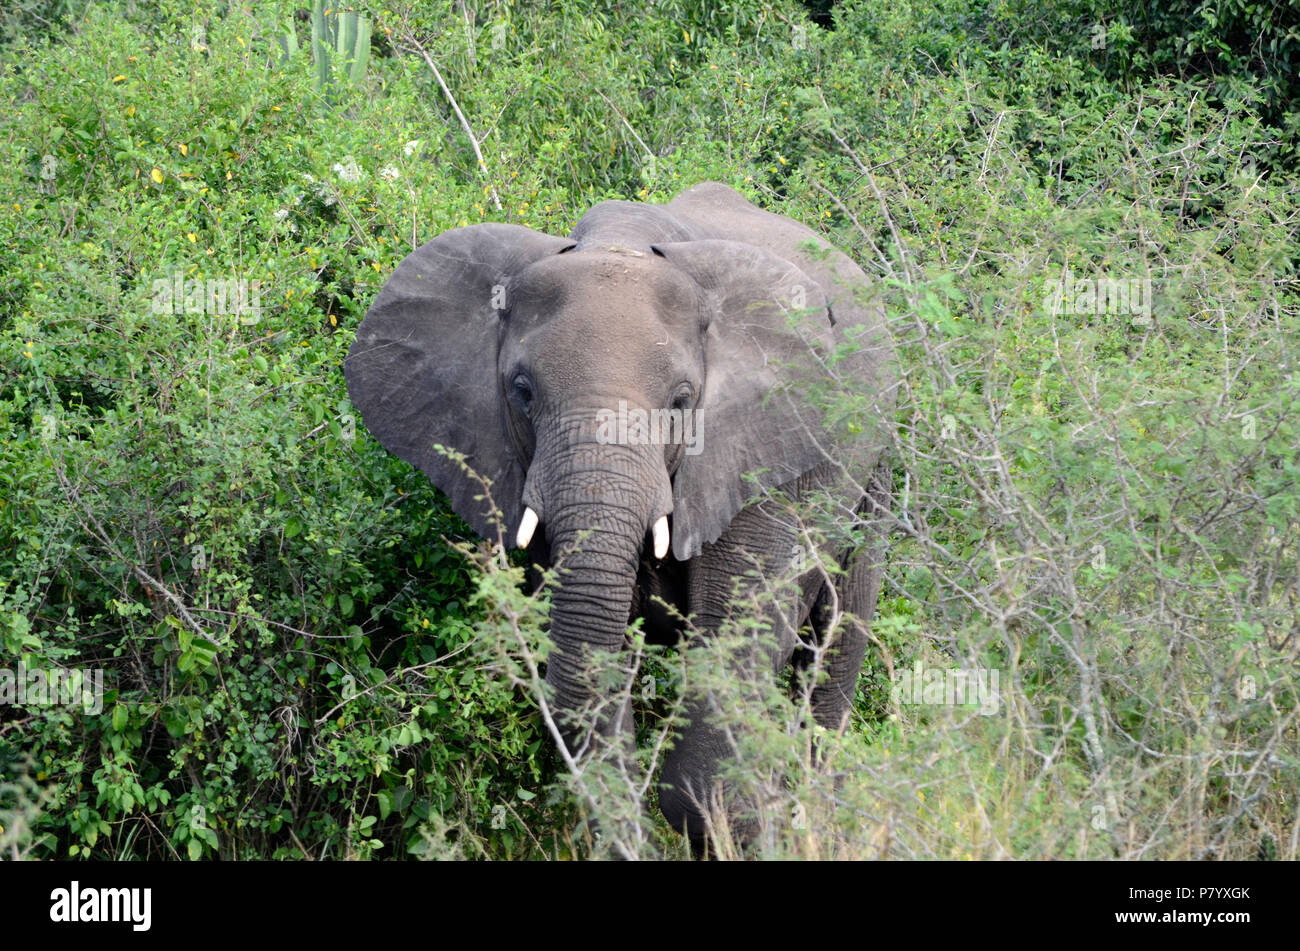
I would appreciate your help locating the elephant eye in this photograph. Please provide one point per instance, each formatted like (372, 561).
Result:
(523, 393)
(684, 397)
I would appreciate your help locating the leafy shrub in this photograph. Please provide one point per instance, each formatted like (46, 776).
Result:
(306, 654)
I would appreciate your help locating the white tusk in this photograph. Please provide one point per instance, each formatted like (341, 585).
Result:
(526, 528)
(661, 536)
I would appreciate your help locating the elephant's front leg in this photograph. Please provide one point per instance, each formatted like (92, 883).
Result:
(753, 565)
(845, 607)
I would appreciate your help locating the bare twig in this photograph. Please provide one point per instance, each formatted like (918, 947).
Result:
(414, 46)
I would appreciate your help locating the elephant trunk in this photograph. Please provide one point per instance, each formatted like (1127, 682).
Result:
(589, 616)
(602, 502)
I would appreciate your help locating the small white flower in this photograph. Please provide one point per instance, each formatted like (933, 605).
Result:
(409, 149)
(389, 171)
(281, 214)
(347, 169)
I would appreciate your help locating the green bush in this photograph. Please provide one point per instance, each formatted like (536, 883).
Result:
(305, 654)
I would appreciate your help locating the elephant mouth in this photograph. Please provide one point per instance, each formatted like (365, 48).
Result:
(659, 532)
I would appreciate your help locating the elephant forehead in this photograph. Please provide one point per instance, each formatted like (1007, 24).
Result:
(583, 347)
(615, 281)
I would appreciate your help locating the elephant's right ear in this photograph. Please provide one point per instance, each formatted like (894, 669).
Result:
(423, 368)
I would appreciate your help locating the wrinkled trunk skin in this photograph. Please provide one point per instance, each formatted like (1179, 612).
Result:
(598, 503)
(589, 617)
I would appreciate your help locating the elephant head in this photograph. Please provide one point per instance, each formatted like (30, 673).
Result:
(524, 352)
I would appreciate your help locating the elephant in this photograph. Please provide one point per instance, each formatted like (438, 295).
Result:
(519, 350)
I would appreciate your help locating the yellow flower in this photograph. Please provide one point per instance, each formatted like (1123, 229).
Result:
(185, 149)
(191, 236)
(118, 78)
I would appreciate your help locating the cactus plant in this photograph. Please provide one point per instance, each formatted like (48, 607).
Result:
(340, 41)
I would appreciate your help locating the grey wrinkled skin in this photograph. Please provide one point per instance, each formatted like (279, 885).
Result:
(504, 344)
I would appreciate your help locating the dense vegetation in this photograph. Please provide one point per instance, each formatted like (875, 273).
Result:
(306, 655)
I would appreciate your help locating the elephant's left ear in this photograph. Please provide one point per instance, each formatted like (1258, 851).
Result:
(767, 348)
